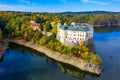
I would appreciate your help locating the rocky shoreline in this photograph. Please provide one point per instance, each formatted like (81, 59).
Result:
(76, 62)
(3, 46)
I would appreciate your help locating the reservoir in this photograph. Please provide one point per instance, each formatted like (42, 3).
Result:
(21, 63)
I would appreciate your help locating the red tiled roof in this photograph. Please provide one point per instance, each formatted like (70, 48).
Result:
(33, 23)
(52, 23)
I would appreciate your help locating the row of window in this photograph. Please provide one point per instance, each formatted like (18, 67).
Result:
(76, 39)
(79, 35)
(79, 32)
(76, 35)
(72, 38)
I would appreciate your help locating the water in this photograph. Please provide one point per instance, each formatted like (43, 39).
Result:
(108, 48)
(21, 63)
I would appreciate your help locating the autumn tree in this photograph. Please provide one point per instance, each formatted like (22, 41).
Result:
(43, 40)
(84, 47)
(47, 26)
(54, 30)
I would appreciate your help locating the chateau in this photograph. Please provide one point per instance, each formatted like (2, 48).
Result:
(72, 35)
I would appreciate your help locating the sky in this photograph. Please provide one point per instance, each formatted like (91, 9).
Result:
(60, 5)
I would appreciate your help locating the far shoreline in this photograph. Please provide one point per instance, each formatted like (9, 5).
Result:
(107, 25)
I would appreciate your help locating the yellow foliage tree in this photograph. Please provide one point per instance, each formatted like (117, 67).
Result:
(84, 46)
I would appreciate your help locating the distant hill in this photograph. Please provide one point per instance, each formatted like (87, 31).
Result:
(69, 12)
(91, 12)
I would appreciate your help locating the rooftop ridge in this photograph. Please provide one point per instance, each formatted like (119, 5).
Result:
(76, 27)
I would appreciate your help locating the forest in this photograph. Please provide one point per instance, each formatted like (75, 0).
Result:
(13, 23)
(93, 19)
(17, 25)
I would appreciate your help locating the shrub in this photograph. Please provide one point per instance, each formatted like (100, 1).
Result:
(43, 40)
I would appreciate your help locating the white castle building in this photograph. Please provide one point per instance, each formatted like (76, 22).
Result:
(72, 35)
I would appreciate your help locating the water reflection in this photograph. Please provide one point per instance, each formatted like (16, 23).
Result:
(21, 63)
(65, 68)
(24, 49)
(107, 45)
(76, 72)
(1, 57)
(106, 29)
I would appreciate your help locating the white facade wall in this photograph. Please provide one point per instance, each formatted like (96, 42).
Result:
(74, 37)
